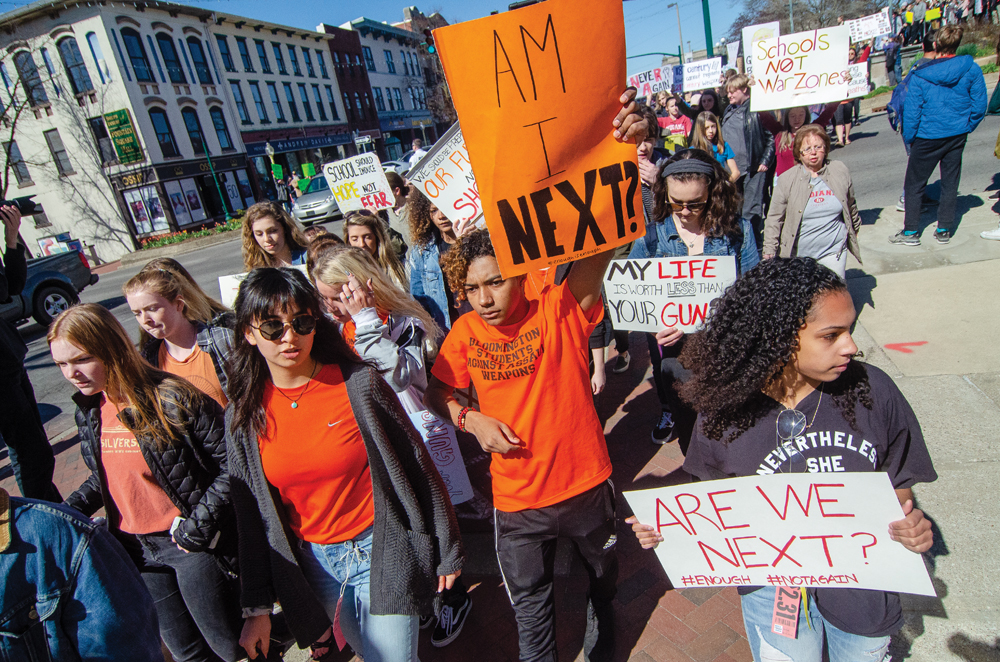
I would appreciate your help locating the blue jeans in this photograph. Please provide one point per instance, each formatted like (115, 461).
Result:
(343, 569)
(808, 643)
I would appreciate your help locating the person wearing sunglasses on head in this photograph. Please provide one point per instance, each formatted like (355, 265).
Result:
(696, 211)
(811, 205)
(342, 515)
(778, 389)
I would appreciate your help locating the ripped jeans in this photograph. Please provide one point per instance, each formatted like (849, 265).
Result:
(343, 570)
(807, 646)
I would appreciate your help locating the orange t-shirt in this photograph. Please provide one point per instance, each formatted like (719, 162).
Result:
(533, 376)
(539, 282)
(142, 503)
(198, 369)
(315, 456)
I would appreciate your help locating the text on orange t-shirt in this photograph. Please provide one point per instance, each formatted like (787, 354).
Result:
(198, 369)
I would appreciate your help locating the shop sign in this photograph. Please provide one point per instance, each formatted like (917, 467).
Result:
(123, 136)
(193, 168)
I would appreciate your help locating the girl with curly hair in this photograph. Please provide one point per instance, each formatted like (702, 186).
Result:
(432, 235)
(364, 230)
(271, 237)
(778, 390)
(696, 211)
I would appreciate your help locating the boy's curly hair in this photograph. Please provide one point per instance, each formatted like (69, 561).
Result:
(455, 263)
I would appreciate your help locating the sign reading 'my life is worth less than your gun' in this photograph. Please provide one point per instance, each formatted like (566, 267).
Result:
(445, 176)
(358, 182)
(801, 69)
(807, 529)
(536, 90)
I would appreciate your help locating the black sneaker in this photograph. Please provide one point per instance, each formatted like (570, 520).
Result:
(427, 621)
(450, 623)
(905, 239)
(943, 236)
(621, 363)
(664, 428)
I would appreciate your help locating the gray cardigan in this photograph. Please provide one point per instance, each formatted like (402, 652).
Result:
(416, 536)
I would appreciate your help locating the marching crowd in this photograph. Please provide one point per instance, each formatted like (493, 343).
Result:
(262, 482)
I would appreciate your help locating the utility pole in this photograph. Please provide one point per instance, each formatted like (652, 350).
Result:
(680, 35)
(791, 18)
(708, 28)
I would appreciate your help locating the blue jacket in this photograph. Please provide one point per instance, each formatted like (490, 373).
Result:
(70, 592)
(669, 244)
(945, 98)
(427, 284)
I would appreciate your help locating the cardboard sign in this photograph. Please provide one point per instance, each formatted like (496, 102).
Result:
(652, 82)
(733, 51)
(445, 176)
(751, 35)
(229, 286)
(859, 85)
(536, 91)
(439, 437)
(869, 27)
(666, 292)
(358, 182)
(702, 75)
(802, 69)
(819, 530)
(930, 15)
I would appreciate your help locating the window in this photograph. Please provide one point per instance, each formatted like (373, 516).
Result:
(309, 63)
(348, 108)
(241, 46)
(241, 105)
(369, 60)
(156, 58)
(294, 59)
(99, 130)
(30, 79)
(59, 153)
(98, 55)
(368, 105)
(47, 59)
(279, 58)
(304, 95)
(137, 55)
(357, 104)
(9, 84)
(290, 98)
(415, 63)
(399, 98)
(388, 98)
(164, 134)
(200, 65)
(333, 104)
(221, 130)
(17, 163)
(379, 101)
(423, 97)
(265, 64)
(319, 102)
(413, 98)
(336, 60)
(389, 63)
(272, 91)
(406, 62)
(357, 63)
(193, 127)
(258, 101)
(170, 58)
(227, 56)
(322, 64)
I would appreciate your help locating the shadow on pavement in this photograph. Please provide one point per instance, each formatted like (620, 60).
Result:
(917, 607)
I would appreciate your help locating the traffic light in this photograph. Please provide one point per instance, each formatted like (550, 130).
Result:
(429, 41)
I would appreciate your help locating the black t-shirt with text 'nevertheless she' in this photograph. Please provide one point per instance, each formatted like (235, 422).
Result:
(885, 438)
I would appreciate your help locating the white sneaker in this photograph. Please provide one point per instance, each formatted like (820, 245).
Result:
(991, 234)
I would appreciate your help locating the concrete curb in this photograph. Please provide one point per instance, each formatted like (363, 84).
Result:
(878, 104)
(141, 257)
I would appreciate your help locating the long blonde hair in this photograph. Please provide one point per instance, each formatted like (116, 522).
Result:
(253, 255)
(700, 140)
(384, 253)
(96, 331)
(335, 264)
(169, 279)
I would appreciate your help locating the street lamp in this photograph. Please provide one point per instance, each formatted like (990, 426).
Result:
(211, 169)
(680, 35)
(269, 150)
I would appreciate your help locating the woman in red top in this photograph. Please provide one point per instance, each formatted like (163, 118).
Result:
(784, 132)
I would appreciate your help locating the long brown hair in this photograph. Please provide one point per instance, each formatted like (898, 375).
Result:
(701, 140)
(722, 214)
(384, 253)
(145, 389)
(422, 228)
(253, 255)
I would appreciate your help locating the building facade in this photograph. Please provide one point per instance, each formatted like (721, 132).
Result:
(355, 88)
(439, 100)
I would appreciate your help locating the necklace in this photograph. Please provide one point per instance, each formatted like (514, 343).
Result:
(689, 244)
(816, 411)
(309, 384)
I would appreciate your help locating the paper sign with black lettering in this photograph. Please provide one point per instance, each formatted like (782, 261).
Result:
(358, 182)
(822, 530)
(666, 292)
(536, 91)
(702, 75)
(859, 85)
(869, 27)
(439, 437)
(801, 69)
(650, 83)
(445, 176)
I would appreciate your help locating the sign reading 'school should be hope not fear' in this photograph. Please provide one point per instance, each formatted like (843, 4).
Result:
(358, 182)
(536, 90)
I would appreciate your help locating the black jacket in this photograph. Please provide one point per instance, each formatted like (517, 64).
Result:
(13, 276)
(760, 142)
(192, 471)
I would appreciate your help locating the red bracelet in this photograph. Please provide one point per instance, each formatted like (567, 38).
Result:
(461, 418)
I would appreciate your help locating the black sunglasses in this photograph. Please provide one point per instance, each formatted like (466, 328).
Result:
(693, 206)
(274, 329)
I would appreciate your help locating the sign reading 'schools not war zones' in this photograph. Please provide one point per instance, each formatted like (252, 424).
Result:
(536, 92)
(801, 69)
(666, 292)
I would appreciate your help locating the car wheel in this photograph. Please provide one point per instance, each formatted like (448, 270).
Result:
(49, 302)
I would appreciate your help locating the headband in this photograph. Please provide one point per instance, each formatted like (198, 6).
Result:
(688, 166)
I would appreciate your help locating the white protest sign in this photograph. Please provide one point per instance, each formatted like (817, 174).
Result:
(229, 286)
(445, 176)
(359, 182)
(439, 437)
(653, 81)
(815, 530)
(666, 292)
(753, 34)
(702, 75)
(859, 86)
(869, 27)
(733, 50)
(802, 69)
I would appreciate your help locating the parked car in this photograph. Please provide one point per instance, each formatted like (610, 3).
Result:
(398, 167)
(53, 285)
(316, 204)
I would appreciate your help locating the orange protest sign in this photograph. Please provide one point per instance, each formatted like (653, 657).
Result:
(536, 90)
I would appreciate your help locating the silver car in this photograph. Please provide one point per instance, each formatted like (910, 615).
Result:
(316, 204)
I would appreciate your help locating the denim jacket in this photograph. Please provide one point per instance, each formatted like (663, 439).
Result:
(668, 243)
(427, 284)
(70, 592)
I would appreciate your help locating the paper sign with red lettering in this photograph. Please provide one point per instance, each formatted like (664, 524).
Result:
(445, 176)
(801, 69)
(652, 82)
(666, 292)
(751, 35)
(358, 182)
(537, 90)
(823, 530)
(702, 75)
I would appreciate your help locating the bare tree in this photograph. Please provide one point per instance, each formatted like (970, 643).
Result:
(809, 14)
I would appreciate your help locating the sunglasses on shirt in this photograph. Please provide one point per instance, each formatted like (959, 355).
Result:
(274, 329)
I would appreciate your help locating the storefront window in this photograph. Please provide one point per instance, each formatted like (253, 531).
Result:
(146, 210)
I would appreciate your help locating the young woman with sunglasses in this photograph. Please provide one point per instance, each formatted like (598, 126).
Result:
(696, 211)
(772, 383)
(343, 517)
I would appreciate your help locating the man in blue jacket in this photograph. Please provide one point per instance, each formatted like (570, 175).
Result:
(945, 101)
